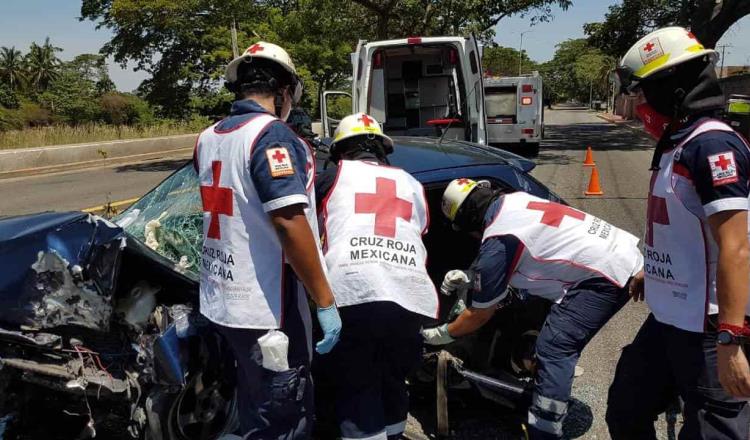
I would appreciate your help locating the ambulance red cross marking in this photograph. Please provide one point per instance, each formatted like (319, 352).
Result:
(278, 156)
(723, 162)
(386, 206)
(255, 48)
(366, 120)
(656, 213)
(554, 213)
(217, 201)
(649, 47)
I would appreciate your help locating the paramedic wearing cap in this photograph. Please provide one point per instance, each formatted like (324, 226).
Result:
(580, 262)
(373, 217)
(260, 229)
(696, 271)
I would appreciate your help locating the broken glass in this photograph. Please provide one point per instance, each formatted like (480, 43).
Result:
(169, 220)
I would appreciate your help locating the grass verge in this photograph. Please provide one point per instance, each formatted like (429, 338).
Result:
(64, 134)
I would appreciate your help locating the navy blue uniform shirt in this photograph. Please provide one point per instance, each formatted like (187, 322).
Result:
(494, 263)
(274, 192)
(705, 157)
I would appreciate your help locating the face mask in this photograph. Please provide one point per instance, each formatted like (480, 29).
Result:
(286, 106)
(653, 122)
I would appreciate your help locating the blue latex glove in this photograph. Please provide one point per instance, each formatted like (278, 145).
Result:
(330, 322)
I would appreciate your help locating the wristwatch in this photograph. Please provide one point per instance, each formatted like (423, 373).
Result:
(726, 337)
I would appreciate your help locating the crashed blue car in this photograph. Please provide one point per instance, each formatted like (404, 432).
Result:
(100, 332)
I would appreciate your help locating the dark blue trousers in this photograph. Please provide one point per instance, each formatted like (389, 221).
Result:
(275, 405)
(380, 345)
(664, 362)
(570, 325)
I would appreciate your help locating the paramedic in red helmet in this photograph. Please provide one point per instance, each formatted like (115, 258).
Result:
(260, 250)
(580, 262)
(373, 217)
(696, 243)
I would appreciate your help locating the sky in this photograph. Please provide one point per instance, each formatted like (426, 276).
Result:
(25, 21)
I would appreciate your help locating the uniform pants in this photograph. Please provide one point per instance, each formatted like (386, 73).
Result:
(662, 363)
(569, 326)
(275, 405)
(380, 345)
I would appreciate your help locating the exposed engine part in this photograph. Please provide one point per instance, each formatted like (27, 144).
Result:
(73, 373)
(138, 305)
(63, 301)
(46, 340)
(522, 358)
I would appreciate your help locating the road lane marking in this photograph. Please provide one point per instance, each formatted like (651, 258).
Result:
(111, 205)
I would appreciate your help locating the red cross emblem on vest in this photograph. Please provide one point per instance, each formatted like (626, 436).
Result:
(216, 201)
(656, 212)
(255, 48)
(554, 213)
(386, 206)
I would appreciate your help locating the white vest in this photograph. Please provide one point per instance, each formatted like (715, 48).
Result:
(561, 246)
(241, 282)
(681, 254)
(374, 217)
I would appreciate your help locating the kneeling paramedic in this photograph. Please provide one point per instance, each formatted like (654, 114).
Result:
(697, 265)
(580, 262)
(256, 185)
(373, 217)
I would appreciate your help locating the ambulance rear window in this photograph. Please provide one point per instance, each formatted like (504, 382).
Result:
(500, 101)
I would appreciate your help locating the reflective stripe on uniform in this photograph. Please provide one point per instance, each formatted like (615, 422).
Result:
(396, 428)
(550, 405)
(378, 436)
(552, 427)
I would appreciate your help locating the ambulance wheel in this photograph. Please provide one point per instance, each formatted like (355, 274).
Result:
(532, 150)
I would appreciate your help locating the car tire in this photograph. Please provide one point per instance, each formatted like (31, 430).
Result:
(532, 150)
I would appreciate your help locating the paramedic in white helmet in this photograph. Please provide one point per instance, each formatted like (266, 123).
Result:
(260, 250)
(577, 261)
(373, 217)
(696, 269)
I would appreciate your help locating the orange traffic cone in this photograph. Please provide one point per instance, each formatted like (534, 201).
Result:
(594, 188)
(589, 161)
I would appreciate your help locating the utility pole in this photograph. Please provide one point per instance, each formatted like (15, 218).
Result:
(520, 52)
(723, 47)
(235, 50)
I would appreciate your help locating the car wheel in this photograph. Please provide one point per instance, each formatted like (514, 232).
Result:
(205, 408)
(532, 150)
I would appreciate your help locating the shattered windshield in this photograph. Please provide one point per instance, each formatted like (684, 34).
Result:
(169, 220)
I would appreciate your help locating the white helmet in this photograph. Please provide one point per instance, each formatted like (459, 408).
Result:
(267, 51)
(455, 194)
(657, 52)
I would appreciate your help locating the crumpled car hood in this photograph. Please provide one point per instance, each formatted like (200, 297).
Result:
(58, 269)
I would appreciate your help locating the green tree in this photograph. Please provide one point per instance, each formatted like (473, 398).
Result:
(42, 64)
(592, 68)
(398, 18)
(628, 21)
(504, 61)
(12, 69)
(559, 73)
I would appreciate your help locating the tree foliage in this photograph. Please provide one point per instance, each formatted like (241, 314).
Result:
(12, 67)
(504, 61)
(185, 44)
(576, 70)
(630, 20)
(42, 64)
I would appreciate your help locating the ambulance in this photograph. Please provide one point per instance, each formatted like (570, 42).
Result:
(417, 86)
(515, 112)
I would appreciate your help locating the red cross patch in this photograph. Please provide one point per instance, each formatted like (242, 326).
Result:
(279, 162)
(723, 168)
(650, 50)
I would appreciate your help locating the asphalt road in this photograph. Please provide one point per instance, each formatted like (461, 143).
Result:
(82, 189)
(622, 156)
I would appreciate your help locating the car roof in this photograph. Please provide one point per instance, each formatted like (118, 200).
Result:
(422, 154)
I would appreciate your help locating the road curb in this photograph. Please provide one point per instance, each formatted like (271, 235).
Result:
(136, 158)
(46, 159)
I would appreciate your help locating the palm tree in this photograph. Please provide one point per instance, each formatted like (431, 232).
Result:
(42, 64)
(12, 69)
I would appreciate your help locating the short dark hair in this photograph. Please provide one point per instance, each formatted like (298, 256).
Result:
(259, 76)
